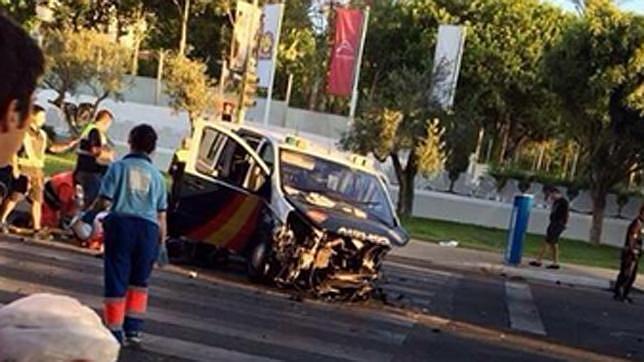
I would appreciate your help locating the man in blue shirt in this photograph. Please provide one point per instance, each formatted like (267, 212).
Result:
(134, 191)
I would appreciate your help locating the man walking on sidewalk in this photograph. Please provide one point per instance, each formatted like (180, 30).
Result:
(558, 221)
(630, 258)
(134, 228)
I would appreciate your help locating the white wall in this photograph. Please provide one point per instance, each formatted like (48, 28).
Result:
(467, 210)
(171, 127)
(324, 124)
(142, 90)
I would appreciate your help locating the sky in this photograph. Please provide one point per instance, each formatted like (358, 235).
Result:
(632, 5)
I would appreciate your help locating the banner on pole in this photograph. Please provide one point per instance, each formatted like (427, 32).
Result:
(247, 18)
(348, 30)
(447, 64)
(270, 23)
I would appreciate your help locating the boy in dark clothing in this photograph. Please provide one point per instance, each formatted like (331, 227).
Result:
(558, 222)
(630, 259)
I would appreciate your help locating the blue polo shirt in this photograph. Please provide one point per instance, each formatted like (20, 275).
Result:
(135, 187)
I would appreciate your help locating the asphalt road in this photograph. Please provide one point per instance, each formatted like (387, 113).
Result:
(421, 314)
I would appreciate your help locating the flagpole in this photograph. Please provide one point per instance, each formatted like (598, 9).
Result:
(271, 77)
(356, 78)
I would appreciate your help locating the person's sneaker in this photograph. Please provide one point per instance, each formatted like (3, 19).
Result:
(133, 339)
(629, 300)
(535, 263)
(41, 235)
(553, 266)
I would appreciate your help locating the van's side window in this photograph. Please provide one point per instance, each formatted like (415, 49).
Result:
(233, 164)
(210, 146)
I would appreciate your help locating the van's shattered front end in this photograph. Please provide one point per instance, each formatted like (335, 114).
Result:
(342, 225)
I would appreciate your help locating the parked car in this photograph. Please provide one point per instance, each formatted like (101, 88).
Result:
(303, 215)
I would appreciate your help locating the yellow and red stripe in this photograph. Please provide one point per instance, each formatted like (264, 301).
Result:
(233, 225)
(136, 301)
(114, 313)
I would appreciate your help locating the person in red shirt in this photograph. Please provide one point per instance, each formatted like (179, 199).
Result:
(60, 200)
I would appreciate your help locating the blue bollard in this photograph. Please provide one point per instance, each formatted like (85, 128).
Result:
(518, 228)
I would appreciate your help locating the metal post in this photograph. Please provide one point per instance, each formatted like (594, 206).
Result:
(269, 94)
(575, 160)
(479, 144)
(241, 107)
(157, 93)
(222, 80)
(356, 78)
(289, 87)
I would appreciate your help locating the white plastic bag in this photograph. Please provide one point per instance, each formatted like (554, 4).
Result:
(47, 327)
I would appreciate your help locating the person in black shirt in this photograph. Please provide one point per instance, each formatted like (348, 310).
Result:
(630, 259)
(94, 155)
(558, 222)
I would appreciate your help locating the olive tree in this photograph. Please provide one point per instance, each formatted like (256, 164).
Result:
(188, 85)
(84, 58)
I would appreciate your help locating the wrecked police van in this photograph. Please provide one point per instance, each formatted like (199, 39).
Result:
(303, 216)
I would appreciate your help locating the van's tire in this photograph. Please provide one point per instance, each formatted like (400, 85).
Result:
(258, 263)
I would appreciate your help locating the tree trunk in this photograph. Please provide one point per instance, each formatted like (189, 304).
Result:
(184, 28)
(599, 207)
(406, 177)
(406, 194)
(503, 147)
(542, 152)
(313, 98)
(59, 100)
(451, 186)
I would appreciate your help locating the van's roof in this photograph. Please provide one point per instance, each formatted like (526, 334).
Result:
(315, 145)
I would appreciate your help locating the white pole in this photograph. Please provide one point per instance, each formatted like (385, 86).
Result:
(157, 90)
(271, 79)
(356, 78)
(289, 87)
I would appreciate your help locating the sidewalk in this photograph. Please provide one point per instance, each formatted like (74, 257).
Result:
(490, 262)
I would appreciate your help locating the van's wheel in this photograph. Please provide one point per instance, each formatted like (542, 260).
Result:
(258, 263)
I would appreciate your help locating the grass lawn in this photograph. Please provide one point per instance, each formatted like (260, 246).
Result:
(58, 163)
(484, 238)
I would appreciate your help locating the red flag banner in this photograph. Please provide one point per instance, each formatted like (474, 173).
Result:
(348, 29)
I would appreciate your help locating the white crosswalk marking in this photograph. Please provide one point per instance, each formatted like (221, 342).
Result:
(194, 351)
(522, 311)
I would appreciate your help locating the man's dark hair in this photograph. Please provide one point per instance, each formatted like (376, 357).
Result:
(21, 64)
(37, 108)
(102, 114)
(143, 138)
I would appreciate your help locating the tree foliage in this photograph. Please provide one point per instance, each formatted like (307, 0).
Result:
(22, 11)
(401, 124)
(84, 58)
(500, 84)
(188, 85)
(598, 72)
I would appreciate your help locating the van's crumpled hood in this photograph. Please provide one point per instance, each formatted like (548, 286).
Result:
(346, 220)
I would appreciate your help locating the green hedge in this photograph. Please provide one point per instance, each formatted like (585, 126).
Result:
(574, 186)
